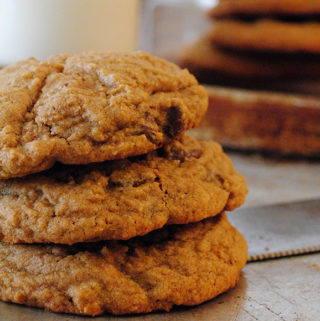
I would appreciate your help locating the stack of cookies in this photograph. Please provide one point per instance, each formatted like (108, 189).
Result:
(262, 45)
(106, 205)
(253, 42)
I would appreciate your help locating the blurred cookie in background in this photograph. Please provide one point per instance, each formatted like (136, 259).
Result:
(213, 64)
(229, 8)
(265, 54)
(267, 35)
(258, 120)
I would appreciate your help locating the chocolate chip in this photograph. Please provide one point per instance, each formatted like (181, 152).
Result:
(152, 138)
(139, 183)
(182, 155)
(174, 122)
(114, 184)
(219, 178)
(150, 134)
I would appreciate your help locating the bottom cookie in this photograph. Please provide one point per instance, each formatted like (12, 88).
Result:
(177, 265)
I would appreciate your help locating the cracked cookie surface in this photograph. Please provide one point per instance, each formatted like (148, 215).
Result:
(186, 181)
(177, 265)
(93, 107)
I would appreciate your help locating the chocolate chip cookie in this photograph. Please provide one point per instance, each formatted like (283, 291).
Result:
(177, 265)
(78, 109)
(185, 181)
(273, 122)
(213, 64)
(227, 8)
(267, 35)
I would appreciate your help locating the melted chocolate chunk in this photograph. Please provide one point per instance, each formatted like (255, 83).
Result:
(174, 122)
(182, 155)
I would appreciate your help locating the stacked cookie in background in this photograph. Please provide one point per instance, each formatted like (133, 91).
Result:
(105, 205)
(258, 46)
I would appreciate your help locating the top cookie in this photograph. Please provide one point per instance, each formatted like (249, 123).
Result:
(227, 8)
(92, 107)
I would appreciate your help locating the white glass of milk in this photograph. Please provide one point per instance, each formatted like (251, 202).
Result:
(41, 28)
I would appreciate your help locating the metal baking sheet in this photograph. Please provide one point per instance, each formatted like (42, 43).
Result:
(279, 230)
(275, 180)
